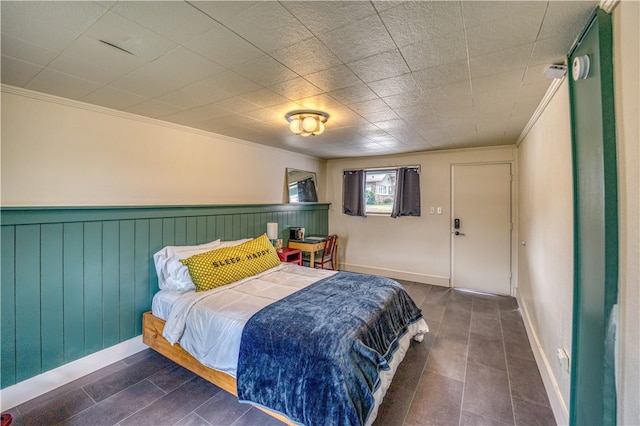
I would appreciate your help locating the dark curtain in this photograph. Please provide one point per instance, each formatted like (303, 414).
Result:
(407, 199)
(353, 193)
(307, 191)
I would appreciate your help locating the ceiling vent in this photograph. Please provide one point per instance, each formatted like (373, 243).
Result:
(116, 47)
(555, 71)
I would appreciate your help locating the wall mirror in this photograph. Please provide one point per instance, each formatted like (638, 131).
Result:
(301, 186)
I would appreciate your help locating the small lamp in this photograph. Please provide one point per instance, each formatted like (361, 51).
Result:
(272, 231)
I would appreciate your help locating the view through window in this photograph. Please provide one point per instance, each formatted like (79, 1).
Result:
(293, 193)
(380, 191)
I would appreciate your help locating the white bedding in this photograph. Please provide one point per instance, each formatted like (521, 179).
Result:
(209, 324)
(163, 302)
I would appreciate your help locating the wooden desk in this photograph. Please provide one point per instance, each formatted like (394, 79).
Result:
(309, 246)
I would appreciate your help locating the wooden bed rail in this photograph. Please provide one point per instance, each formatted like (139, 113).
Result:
(152, 336)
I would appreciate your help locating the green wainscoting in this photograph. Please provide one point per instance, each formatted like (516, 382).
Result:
(77, 280)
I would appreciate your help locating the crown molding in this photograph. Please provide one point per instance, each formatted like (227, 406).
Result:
(608, 5)
(551, 91)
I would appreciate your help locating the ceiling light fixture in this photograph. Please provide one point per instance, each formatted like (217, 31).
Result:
(307, 122)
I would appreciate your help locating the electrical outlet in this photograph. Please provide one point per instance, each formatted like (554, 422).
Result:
(432, 210)
(439, 210)
(563, 359)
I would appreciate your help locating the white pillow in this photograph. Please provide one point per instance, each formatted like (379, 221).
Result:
(172, 274)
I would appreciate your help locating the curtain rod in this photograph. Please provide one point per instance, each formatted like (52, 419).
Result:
(373, 169)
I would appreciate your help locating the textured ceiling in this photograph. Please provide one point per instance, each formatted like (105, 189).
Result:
(395, 77)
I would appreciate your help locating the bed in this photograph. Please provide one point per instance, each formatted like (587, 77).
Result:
(307, 346)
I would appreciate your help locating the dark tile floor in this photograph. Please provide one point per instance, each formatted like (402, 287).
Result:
(474, 368)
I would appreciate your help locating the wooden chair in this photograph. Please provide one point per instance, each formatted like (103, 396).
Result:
(327, 256)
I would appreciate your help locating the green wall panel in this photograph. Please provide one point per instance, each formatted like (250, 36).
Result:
(92, 284)
(155, 244)
(8, 307)
(28, 325)
(52, 302)
(77, 280)
(180, 231)
(127, 279)
(168, 232)
(143, 259)
(73, 326)
(201, 229)
(110, 282)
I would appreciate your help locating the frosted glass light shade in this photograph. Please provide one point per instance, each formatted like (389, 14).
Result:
(309, 124)
(294, 126)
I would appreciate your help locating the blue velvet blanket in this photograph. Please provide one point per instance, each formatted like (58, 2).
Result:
(315, 355)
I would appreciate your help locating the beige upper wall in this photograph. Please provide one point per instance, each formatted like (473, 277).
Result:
(545, 255)
(415, 248)
(65, 153)
(626, 49)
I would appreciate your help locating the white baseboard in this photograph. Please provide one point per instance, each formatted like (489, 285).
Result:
(28, 389)
(398, 275)
(558, 405)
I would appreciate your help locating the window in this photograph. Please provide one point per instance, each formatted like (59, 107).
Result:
(394, 192)
(380, 186)
(293, 193)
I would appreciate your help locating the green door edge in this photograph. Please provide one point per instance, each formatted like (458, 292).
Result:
(596, 404)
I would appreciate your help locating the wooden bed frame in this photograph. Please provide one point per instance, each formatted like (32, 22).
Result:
(152, 336)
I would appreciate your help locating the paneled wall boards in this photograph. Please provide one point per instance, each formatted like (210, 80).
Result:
(77, 280)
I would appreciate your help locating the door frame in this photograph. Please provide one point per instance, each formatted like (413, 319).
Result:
(512, 212)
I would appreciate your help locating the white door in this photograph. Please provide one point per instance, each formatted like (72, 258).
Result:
(481, 227)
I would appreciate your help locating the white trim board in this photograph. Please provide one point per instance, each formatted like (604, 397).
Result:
(398, 275)
(26, 390)
(558, 405)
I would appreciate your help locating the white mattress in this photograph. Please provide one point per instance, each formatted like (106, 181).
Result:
(209, 324)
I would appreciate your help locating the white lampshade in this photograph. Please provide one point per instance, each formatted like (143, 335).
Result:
(272, 230)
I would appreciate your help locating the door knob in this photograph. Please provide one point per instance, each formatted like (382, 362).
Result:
(459, 233)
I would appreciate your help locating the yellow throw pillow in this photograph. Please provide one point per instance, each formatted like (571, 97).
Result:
(223, 266)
